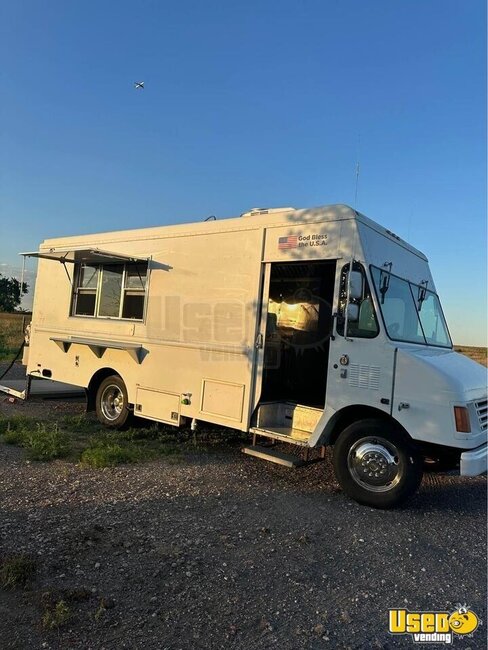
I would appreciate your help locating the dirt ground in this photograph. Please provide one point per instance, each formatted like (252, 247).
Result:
(219, 550)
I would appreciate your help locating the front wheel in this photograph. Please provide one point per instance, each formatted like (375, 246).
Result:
(112, 404)
(376, 464)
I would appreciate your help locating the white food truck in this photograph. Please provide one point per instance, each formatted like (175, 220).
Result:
(315, 327)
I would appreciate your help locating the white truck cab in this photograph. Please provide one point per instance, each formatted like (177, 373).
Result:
(314, 327)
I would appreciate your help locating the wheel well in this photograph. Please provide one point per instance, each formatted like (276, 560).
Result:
(95, 381)
(350, 414)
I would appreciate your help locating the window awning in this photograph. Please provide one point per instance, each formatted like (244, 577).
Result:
(85, 256)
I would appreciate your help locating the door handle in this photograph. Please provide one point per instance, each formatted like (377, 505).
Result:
(332, 322)
(259, 341)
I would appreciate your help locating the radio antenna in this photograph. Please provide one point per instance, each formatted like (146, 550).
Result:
(357, 175)
(357, 183)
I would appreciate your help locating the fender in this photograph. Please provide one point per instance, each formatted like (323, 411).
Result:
(346, 416)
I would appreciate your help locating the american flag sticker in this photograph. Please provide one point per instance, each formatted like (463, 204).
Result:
(285, 243)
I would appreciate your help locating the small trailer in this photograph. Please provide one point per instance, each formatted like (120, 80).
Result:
(312, 327)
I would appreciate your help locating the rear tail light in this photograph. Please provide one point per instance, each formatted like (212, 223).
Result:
(462, 419)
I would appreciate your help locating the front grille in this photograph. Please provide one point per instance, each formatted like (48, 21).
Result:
(482, 413)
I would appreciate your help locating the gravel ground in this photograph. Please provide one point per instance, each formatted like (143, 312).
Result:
(225, 551)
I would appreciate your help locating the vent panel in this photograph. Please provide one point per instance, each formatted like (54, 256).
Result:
(364, 376)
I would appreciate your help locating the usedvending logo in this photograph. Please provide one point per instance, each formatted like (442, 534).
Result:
(433, 627)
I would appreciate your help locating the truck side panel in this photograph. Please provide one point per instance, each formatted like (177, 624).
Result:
(198, 333)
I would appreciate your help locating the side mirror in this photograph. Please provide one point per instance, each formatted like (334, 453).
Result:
(352, 313)
(355, 285)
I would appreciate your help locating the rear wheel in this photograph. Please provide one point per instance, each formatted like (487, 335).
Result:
(112, 404)
(376, 464)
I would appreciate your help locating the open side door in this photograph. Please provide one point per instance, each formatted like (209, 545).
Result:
(259, 343)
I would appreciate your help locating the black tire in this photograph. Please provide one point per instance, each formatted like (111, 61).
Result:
(376, 464)
(112, 404)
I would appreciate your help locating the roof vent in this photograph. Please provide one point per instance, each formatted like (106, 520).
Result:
(258, 211)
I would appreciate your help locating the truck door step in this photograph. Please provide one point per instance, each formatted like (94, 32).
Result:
(280, 458)
(273, 456)
(283, 434)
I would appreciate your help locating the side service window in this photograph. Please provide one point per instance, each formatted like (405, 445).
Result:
(361, 320)
(110, 291)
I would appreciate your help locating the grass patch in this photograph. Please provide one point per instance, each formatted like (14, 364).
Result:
(108, 453)
(56, 615)
(47, 442)
(136, 433)
(137, 444)
(15, 571)
(14, 437)
(78, 424)
(42, 440)
(101, 609)
(169, 450)
(11, 334)
(140, 444)
(17, 423)
(81, 438)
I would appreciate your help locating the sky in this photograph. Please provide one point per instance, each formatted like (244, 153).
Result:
(255, 103)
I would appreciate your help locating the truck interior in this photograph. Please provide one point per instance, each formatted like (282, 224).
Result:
(296, 350)
(297, 335)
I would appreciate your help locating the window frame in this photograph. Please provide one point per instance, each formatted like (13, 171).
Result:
(76, 290)
(422, 324)
(363, 270)
(410, 285)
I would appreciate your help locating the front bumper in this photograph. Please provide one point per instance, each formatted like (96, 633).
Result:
(474, 462)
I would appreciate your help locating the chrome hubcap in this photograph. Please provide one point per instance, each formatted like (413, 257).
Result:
(374, 464)
(112, 402)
